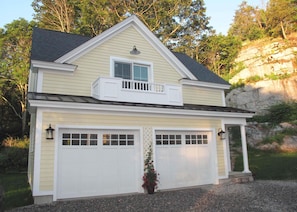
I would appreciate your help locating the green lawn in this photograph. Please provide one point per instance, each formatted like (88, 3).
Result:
(16, 190)
(271, 165)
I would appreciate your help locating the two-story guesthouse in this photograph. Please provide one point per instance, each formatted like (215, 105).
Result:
(97, 104)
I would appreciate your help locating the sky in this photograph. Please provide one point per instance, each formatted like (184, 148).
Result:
(220, 11)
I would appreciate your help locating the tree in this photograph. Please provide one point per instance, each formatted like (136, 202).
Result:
(55, 14)
(218, 52)
(248, 22)
(15, 43)
(281, 17)
(177, 23)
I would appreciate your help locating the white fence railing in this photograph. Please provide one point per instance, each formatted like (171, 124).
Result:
(142, 86)
(117, 89)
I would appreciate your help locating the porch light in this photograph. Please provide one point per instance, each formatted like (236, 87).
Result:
(221, 134)
(134, 51)
(50, 132)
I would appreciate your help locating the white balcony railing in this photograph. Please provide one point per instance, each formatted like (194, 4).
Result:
(117, 89)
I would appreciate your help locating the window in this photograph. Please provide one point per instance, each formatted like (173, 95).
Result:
(118, 139)
(168, 139)
(131, 71)
(196, 139)
(79, 139)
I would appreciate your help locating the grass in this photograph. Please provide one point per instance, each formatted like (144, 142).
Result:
(270, 165)
(17, 192)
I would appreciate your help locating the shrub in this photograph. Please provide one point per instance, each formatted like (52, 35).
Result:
(14, 154)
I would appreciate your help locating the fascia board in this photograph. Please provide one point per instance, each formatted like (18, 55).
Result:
(37, 64)
(140, 27)
(134, 109)
(204, 84)
(94, 42)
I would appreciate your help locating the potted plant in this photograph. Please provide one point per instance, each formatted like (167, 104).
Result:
(150, 177)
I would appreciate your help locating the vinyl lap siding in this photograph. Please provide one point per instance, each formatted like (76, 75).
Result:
(202, 96)
(96, 63)
(148, 122)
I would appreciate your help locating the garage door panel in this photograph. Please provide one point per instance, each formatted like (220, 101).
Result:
(97, 169)
(186, 164)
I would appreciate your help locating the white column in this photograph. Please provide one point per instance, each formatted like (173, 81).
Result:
(244, 150)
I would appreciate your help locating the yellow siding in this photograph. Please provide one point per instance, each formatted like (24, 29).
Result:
(203, 96)
(97, 63)
(147, 124)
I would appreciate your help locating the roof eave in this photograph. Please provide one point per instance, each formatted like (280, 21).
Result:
(134, 109)
(205, 84)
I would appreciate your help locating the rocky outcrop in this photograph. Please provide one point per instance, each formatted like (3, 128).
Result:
(263, 58)
(259, 96)
(269, 61)
(256, 132)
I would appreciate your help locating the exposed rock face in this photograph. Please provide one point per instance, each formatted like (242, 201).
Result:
(264, 59)
(259, 96)
(260, 59)
(257, 132)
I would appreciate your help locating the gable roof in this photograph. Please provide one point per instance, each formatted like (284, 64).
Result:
(54, 46)
(48, 45)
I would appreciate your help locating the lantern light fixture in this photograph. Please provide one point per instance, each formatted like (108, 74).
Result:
(221, 134)
(50, 132)
(134, 51)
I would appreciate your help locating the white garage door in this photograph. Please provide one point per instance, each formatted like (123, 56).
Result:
(94, 162)
(183, 159)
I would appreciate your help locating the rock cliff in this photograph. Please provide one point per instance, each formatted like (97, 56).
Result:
(273, 63)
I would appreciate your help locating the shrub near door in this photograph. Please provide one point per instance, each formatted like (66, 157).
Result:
(150, 177)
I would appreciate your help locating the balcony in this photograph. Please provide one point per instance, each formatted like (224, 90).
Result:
(122, 90)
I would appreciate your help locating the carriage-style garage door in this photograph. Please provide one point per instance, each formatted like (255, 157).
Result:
(183, 159)
(97, 162)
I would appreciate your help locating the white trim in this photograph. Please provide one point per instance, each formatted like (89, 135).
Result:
(39, 81)
(225, 149)
(60, 127)
(135, 109)
(204, 84)
(140, 27)
(53, 66)
(223, 98)
(37, 154)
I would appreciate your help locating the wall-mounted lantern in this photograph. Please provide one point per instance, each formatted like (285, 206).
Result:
(50, 132)
(134, 51)
(221, 134)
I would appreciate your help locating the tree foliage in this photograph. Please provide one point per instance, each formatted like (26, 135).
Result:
(15, 43)
(281, 17)
(218, 52)
(178, 23)
(248, 23)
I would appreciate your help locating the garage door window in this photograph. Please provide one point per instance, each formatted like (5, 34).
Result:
(79, 139)
(196, 139)
(118, 139)
(166, 139)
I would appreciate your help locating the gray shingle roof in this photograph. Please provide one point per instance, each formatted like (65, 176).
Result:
(48, 45)
(91, 100)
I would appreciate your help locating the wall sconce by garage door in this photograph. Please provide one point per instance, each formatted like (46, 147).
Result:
(221, 134)
(50, 132)
(134, 51)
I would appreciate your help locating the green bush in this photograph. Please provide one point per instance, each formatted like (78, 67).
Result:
(282, 112)
(14, 154)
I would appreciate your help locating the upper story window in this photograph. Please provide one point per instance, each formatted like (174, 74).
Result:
(131, 70)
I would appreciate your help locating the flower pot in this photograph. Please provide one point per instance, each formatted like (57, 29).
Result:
(150, 189)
